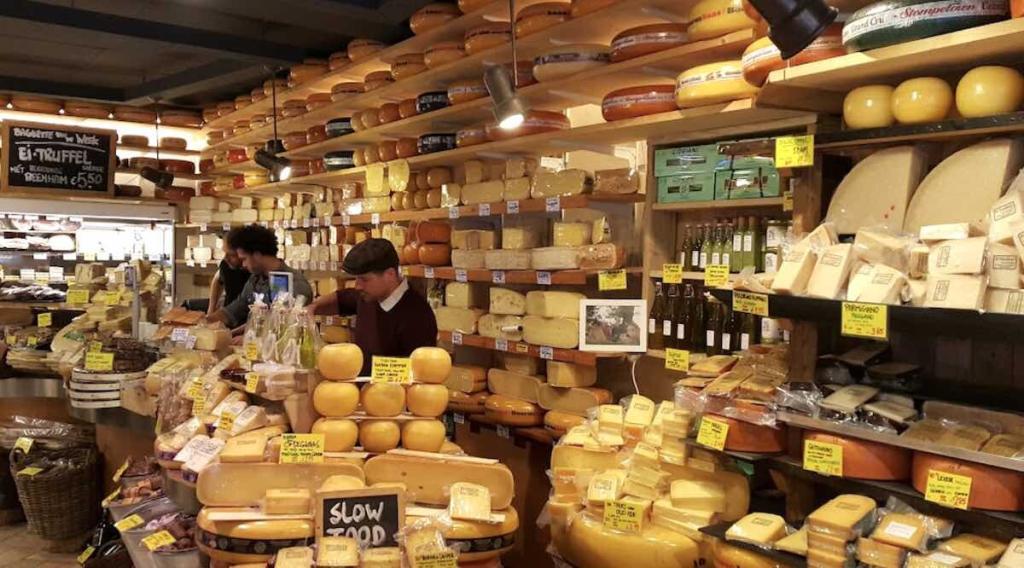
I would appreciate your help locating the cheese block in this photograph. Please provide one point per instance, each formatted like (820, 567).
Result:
(468, 259)
(243, 450)
(522, 364)
(473, 239)
(519, 238)
(697, 494)
(562, 333)
(463, 295)
(555, 258)
(936, 560)
(482, 192)
(760, 529)
(287, 502)
(457, 319)
(987, 167)
(606, 486)
(589, 543)
(795, 543)
(467, 403)
(849, 398)
(572, 400)
(564, 183)
(562, 374)
(564, 60)
(992, 488)
(211, 339)
(571, 234)
(875, 553)
(961, 256)
(884, 285)
(337, 551)
(1004, 301)
(877, 246)
(506, 259)
(514, 385)
(512, 411)
(246, 484)
(1005, 212)
(955, 291)
(604, 256)
(428, 479)
(978, 549)
(1007, 445)
(517, 189)
(877, 190)
(831, 272)
(906, 530)
(558, 422)
(867, 460)
(466, 378)
(794, 272)
(1014, 555)
(1002, 265)
(470, 502)
(507, 302)
(501, 327)
(553, 304)
(846, 517)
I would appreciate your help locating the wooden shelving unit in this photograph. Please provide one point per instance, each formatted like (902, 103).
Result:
(239, 168)
(162, 151)
(538, 277)
(724, 205)
(587, 358)
(177, 176)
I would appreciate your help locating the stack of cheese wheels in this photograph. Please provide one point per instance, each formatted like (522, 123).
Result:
(467, 389)
(434, 237)
(762, 56)
(337, 396)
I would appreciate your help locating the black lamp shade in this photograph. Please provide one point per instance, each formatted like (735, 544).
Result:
(794, 24)
(159, 178)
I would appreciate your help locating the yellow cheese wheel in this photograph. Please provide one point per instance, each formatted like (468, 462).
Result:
(467, 403)
(232, 540)
(419, 199)
(335, 399)
(362, 48)
(434, 197)
(377, 79)
(427, 400)
(383, 399)
(869, 106)
(989, 90)
(339, 433)
(379, 436)
(407, 65)
(922, 99)
(512, 411)
(714, 18)
(423, 435)
(340, 361)
(589, 543)
(430, 364)
(712, 83)
(397, 201)
(432, 16)
(728, 556)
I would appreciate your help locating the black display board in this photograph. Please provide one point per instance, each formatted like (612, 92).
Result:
(371, 516)
(41, 158)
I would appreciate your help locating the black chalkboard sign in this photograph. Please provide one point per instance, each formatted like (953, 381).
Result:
(57, 159)
(371, 516)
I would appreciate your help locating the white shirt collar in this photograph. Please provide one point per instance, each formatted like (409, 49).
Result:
(392, 300)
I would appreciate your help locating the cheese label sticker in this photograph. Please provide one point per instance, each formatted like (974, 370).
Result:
(794, 151)
(158, 539)
(120, 471)
(198, 405)
(750, 303)
(10, 339)
(110, 498)
(32, 341)
(823, 458)
(98, 361)
(95, 346)
(787, 200)
(302, 448)
(611, 280)
(227, 421)
(30, 471)
(948, 489)
(195, 388)
(712, 433)
(128, 523)
(252, 351)
(672, 273)
(441, 559)
(85, 555)
(868, 321)
(390, 370)
(677, 359)
(44, 319)
(624, 516)
(24, 444)
(252, 380)
(112, 298)
(716, 275)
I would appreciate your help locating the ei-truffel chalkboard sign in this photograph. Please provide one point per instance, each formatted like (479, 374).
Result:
(43, 158)
(371, 516)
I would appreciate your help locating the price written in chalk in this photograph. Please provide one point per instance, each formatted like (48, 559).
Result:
(390, 370)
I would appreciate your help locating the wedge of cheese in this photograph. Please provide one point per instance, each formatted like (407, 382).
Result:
(831, 272)
(795, 272)
(466, 378)
(501, 327)
(955, 291)
(961, 256)
(507, 302)
(562, 374)
(555, 258)
(462, 320)
(877, 190)
(514, 385)
(464, 295)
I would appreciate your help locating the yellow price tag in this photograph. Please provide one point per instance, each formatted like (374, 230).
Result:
(44, 319)
(672, 273)
(10, 339)
(794, 151)
(252, 352)
(870, 321)
(712, 433)
(78, 297)
(227, 421)
(95, 346)
(750, 303)
(390, 370)
(198, 405)
(823, 458)
(677, 359)
(112, 298)
(252, 380)
(611, 280)
(86, 554)
(24, 444)
(787, 200)
(30, 471)
(120, 471)
(111, 498)
(440, 559)
(948, 489)
(32, 341)
(195, 388)
(716, 275)
(302, 448)
(98, 362)
(623, 516)
(158, 539)
(128, 523)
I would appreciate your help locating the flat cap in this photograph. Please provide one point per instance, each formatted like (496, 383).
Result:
(371, 255)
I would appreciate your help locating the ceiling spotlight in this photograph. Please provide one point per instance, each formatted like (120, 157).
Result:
(794, 24)
(509, 111)
(280, 168)
(159, 178)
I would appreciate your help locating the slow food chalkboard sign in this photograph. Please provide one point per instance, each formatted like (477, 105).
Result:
(57, 159)
(371, 516)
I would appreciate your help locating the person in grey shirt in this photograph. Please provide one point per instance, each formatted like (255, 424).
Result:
(257, 248)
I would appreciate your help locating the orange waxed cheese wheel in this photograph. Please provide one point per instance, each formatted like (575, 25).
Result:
(430, 364)
(336, 398)
(340, 362)
(379, 436)
(867, 460)
(467, 403)
(748, 437)
(423, 435)
(383, 399)
(512, 412)
(339, 434)
(435, 254)
(992, 488)
(427, 400)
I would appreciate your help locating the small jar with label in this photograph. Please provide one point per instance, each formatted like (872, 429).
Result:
(775, 235)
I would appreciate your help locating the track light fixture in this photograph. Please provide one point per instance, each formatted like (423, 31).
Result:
(280, 168)
(794, 24)
(508, 109)
(159, 178)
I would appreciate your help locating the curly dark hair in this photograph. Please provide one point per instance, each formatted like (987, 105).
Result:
(253, 238)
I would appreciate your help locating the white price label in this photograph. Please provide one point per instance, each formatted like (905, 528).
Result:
(56, 273)
(316, 222)
(70, 256)
(202, 264)
(553, 204)
(27, 274)
(345, 219)
(428, 272)
(503, 432)
(277, 225)
(544, 278)
(334, 265)
(547, 353)
(327, 220)
(456, 338)
(226, 227)
(202, 227)
(512, 207)
(459, 418)
(498, 277)
(190, 263)
(101, 256)
(375, 218)
(453, 212)
(295, 224)
(190, 342)
(305, 223)
(485, 209)
(179, 334)
(501, 344)
(39, 256)
(154, 258)
(460, 275)
(323, 265)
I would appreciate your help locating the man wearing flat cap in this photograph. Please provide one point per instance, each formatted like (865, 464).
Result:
(391, 319)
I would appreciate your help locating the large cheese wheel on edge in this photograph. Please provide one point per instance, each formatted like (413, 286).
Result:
(467, 403)
(754, 438)
(895, 21)
(992, 488)
(644, 40)
(479, 542)
(632, 102)
(588, 543)
(867, 460)
(512, 412)
(239, 542)
(558, 422)
(712, 83)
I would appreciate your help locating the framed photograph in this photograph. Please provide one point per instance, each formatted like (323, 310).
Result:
(613, 325)
(280, 282)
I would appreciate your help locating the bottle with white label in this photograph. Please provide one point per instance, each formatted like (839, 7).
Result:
(655, 338)
(770, 331)
(668, 317)
(736, 253)
(714, 328)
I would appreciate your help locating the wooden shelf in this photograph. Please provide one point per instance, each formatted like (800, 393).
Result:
(821, 85)
(518, 434)
(554, 277)
(177, 176)
(934, 131)
(766, 202)
(154, 150)
(239, 168)
(331, 269)
(568, 355)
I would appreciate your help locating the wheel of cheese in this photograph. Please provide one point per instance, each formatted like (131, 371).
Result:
(478, 543)
(921, 100)
(411, 251)
(583, 7)
(337, 60)
(293, 107)
(338, 127)
(523, 73)
(340, 160)
(567, 60)
(827, 45)
(558, 423)
(143, 162)
(238, 181)
(383, 399)
(759, 59)
(589, 543)
(407, 65)
(257, 94)
(538, 17)
(317, 166)
(423, 435)
(443, 53)
(359, 49)
(240, 129)
(431, 101)
(340, 434)
(992, 488)
(467, 6)
(437, 177)
(173, 143)
(728, 556)
(430, 143)
(407, 147)
(714, 18)
(241, 101)
(467, 403)
(432, 16)
(869, 107)
(210, 113)
(434, 198)
(754, 438)
(466, 90)
(388, 112)
(487, 36)
(434, 254)
(177, 194)
(512, 412)
(407, 108)
(346, 89)
(644, 40)
(317, 100)
(867, 460)
(535, 122)
(632, 102)
(274, 84)
(387, 151)
(377, 79)
(340, 362)
(898, 21)
(989, 90)
(134, 140)
(301, 168)
(215, 137)
(427, 400)
(357, 158)
(86, 110)
(316, 134)
(35, 104)
(223, 108)
(306, 72)
(712, 83)
(180, 166)
(237, 155)
(433, 232)
(293, 140)
(132, 114)
(398, 204)
(379, 436)
(257, 121)
(255, 179)
(369, 118)
(241, 542)
(430, 365)
(370, 155)
(471, 136)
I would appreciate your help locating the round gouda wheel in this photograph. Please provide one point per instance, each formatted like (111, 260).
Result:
(398, 204)
(407, 65)
(340, 362)
(379, 436)
(437, 177)
(86, 110)
(467, 6)
(419, 199)
(293, 140)
(407, 147)
(292, 108)
(759, 59)
(388, 112)
(316, 134)
(411, 251)
(714, 18)
(358, 160)
(466, 90)
(430, 365)
(538, 17)
(749, 437)
(432, 16)
(421, 180)
(584, 7)
(487, 36)
(869, 107)
(536, 122)
(257, 94)
(423, 435)
(512, 412)
(559, 422)
(359, 49)
(828, 44)
(270, 85)
(257, 121)
(337, 60)
(387, 151)
(524, 68)
(992, 488)
(589, 543)
(644, 40)
(172, 143)
(712, 83)
(920, 100)
(36, 104)
(567, 60)
(409, 204)
(370, 155)
(989, 90)
(867, 460)
(130, 114)
(339, 434)
(232, 542)
(317, 100)
(407, 108)
(377, 79)
(443, 53)
(471, 136)
(728, 556)
(434, 198)
(340, 160)
(185, 166)
(210, 113)
(345, 89)
(427, 400)
(433, 232)
(434, 254)
(467, 403)
(430, 143)
(383, 399)
(306, 72)
(632, 102)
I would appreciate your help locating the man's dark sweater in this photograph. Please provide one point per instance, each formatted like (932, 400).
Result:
(409, 324)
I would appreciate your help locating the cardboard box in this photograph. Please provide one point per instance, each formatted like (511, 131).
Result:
(686, 187)
(688, 159)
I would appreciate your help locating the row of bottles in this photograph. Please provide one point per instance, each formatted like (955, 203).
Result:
(737, 243)
(683, 317)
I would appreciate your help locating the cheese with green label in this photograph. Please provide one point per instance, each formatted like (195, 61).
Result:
(507, 302)
(457, 319)
(555, 332)
(464, 295)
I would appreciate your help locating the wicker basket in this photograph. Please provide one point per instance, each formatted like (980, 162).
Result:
(62, 502)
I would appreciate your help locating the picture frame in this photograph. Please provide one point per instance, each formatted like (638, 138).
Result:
(613, 325)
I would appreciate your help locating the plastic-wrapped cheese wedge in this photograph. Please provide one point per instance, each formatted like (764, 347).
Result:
(489, 540)
(978, 549)
(761, 529)
(846, 517)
